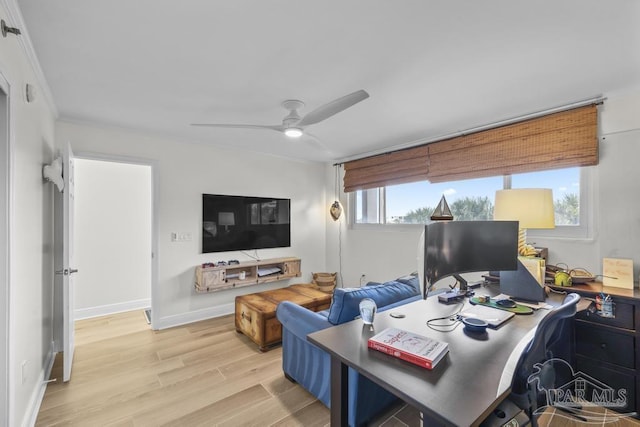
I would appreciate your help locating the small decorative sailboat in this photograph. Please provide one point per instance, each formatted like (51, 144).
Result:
(442, 211)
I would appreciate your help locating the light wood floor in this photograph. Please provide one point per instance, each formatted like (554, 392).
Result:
(202, 374)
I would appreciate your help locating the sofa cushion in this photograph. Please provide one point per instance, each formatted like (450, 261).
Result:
(344, 306)
(411, 279)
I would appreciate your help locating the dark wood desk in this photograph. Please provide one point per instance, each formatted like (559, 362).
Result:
(461, 390)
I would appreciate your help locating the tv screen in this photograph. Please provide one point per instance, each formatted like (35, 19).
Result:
(455, 247)
(233, 223)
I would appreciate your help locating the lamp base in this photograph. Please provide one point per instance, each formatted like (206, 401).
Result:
(525, 249)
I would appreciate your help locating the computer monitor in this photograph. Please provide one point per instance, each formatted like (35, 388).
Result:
(455, 247)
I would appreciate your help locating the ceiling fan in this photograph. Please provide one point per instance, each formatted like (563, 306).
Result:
(293, 125)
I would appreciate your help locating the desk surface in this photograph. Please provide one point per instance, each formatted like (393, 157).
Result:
(464, 387)
(594, 288)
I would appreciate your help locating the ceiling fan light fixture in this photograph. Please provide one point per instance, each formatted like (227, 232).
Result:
(293, 132)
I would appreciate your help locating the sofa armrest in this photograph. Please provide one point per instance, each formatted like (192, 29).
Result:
(299, 320)
(310, 366)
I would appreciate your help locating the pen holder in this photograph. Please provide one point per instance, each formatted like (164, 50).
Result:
(605, 306)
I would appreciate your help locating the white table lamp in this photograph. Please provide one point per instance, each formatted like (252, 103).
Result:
(532, 207)
(226, 219)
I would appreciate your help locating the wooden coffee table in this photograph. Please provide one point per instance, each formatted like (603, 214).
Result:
(256, 313)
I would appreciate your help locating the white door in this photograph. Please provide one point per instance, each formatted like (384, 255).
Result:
(5, 346)
(68, 335)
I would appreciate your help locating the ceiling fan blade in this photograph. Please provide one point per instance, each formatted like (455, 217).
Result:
(334, 107)
(278, 128)
(314, 140)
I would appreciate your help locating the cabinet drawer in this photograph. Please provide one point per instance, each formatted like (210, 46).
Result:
(623, 384)
(624, 313)
(605, 344)
(209, 278)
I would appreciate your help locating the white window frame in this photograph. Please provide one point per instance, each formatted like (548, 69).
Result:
(583, 231)
(587, 202)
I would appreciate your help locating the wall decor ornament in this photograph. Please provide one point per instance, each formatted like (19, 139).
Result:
(335, 210)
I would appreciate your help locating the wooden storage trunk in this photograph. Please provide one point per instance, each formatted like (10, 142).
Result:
(255, 314)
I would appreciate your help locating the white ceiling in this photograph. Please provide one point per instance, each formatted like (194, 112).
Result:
(431, 67)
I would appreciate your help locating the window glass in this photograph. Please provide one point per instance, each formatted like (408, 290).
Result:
(473, 199)
(414, 203)
(368, 205)
(565, 184)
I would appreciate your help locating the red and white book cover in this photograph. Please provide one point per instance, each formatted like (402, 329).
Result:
(414, 348)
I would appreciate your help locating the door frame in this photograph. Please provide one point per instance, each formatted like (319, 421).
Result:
(154, 214)
(6, 321)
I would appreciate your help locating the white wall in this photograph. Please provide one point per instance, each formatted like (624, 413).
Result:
(31, 216)
(112, 237)
(184, 172)
(616, 205)
(384, 254)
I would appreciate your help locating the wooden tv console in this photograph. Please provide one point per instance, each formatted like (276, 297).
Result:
(218, 278)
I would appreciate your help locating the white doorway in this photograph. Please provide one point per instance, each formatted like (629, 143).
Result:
(113, 236)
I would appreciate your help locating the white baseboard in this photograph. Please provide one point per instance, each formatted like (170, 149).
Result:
(194, 316)
(38, 394)
(162, 323)
(103, 310)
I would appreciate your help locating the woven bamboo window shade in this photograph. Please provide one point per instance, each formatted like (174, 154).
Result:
(559, 140)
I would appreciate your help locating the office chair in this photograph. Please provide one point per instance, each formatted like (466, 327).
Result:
(551, 335)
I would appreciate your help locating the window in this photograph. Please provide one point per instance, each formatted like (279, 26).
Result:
(565, 184)
(473, 199)
(571, 198)
(414, 203)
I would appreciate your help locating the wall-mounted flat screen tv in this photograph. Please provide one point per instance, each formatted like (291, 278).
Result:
(235, 223)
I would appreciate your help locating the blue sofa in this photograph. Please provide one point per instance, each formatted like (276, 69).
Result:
(310, 366)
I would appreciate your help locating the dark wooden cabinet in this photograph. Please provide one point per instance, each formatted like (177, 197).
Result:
(606, 348)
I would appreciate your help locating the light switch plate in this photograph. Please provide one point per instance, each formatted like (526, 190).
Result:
(181, 237)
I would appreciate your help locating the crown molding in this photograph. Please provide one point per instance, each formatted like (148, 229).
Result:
(15, 19)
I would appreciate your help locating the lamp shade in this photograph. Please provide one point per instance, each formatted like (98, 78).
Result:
(226, 218)
(532, 207)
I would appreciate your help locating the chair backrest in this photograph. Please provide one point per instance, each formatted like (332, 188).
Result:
(550, 331)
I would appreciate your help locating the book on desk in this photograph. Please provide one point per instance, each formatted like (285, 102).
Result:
(417, 349)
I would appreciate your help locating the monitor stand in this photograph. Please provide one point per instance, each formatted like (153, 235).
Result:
(521, 285)
(462, 284)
